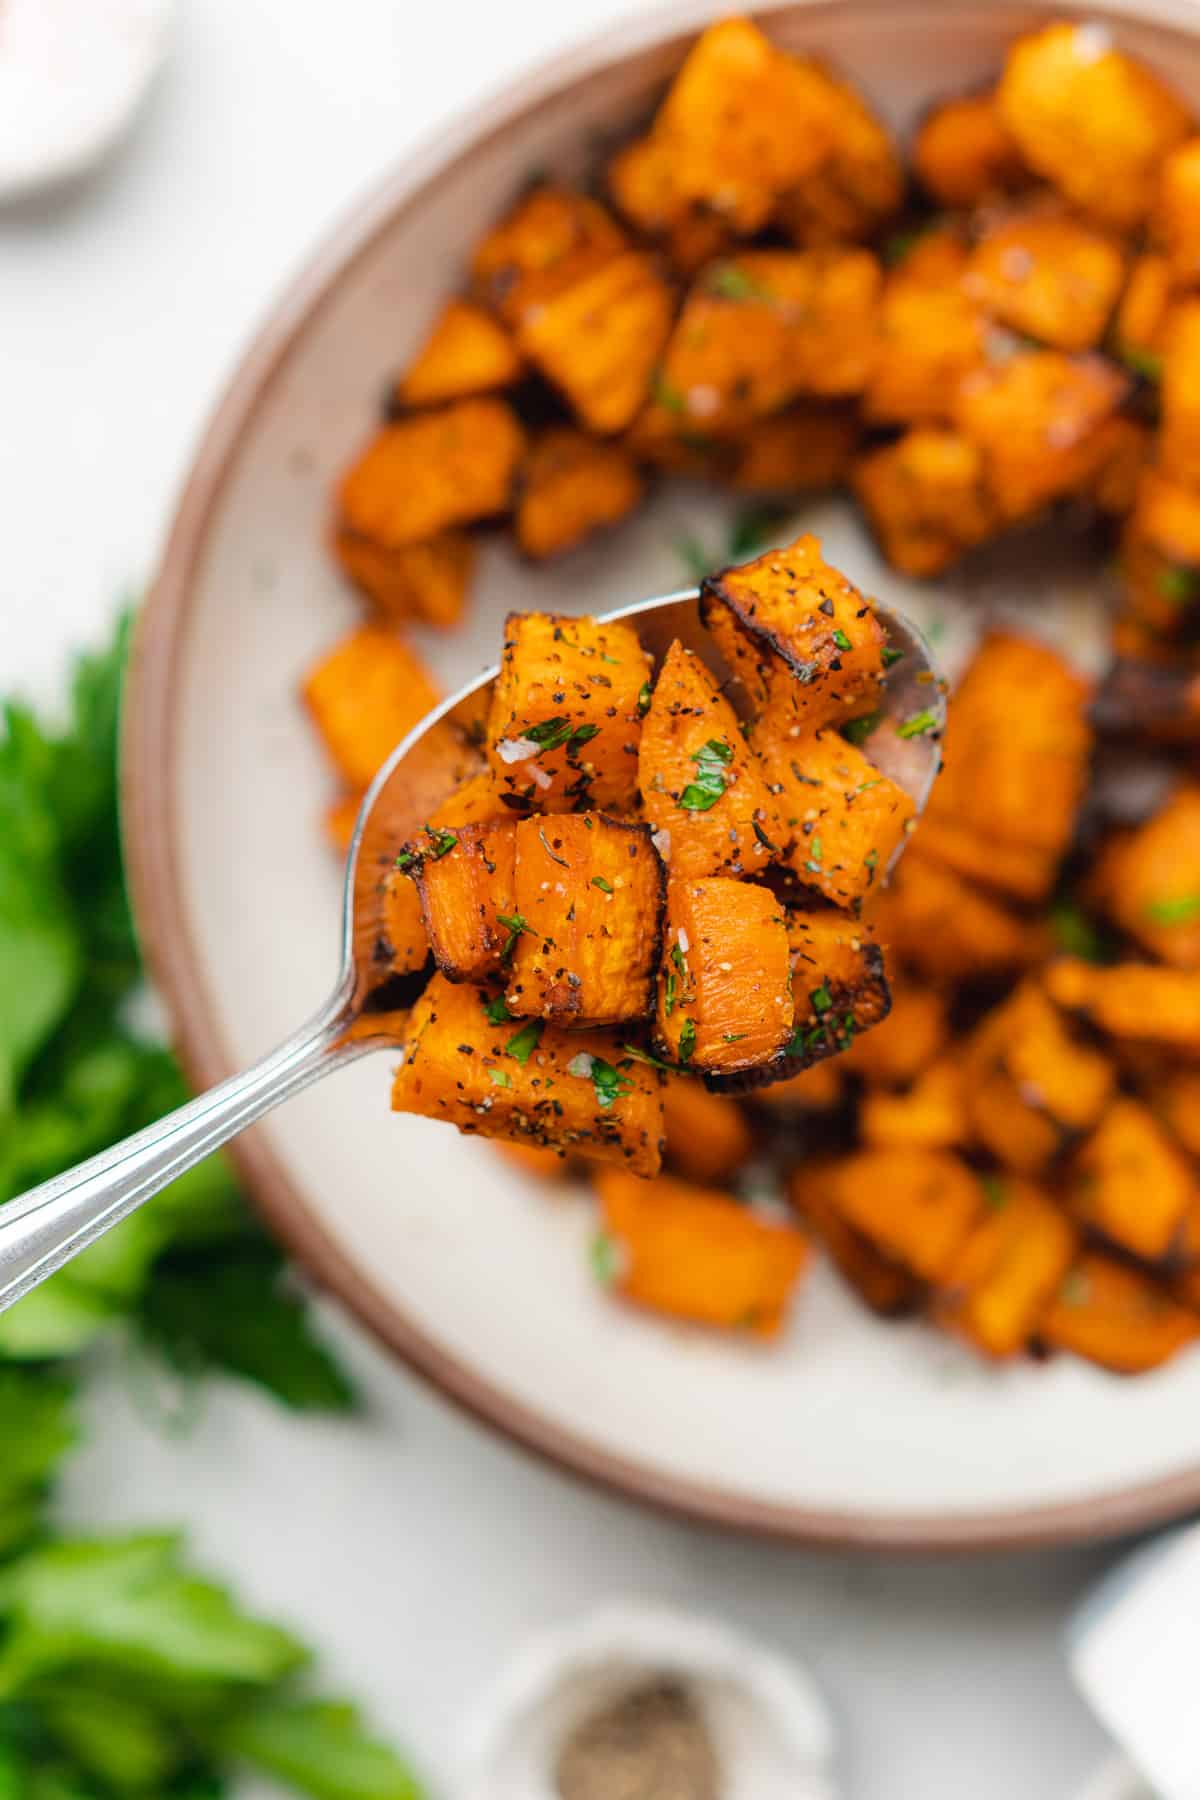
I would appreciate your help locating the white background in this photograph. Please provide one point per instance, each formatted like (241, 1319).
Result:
(413, 1548)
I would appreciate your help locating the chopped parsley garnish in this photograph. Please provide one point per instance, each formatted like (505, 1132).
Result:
(598, 881)
(499, 1078)
(667, 396)
(514, 924)
(1177, 584)
(604, 1257)
(496, 1010)
(729, 282)
(841, 640)
(643, 700)
(918, 724)
(644, 1056)
(1075, 933)
(1182, 910)
(857, 731)
(440, 842)
(822, 999)
(406, 859)
(523, 1044)
(733, 1037)
(551, 734)
(608, 1082)
(669, 995)
(687, 1040)
(891, 656)
(711, 761)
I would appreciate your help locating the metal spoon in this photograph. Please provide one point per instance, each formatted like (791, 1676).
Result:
(45, 1228)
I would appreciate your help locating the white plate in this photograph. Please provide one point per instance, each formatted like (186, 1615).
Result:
(849, 1429)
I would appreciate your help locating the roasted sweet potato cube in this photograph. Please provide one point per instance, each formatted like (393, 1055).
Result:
(696, 1254)
(1176, 218)
(1160, 560)
(915, 1032)
(542, 1165)
(800, 637)
(814, 1090)
(858, 184)
(840, 818)
(1039, 419)
(929, 1115)
(364, 696)
(1022, 871)
(942, 927)
(422, 475)
(1135, 1001)
(1143, 314)
(586, 926)
(466, 352)
(1179, 396)
(427, 581)
(724, 992)
(1148, 880)
(701, 784)
(642, 182)
(1174, 1098)
(1093, 121)
(926, 499)
(879, 1281)
(465, 881)
(1111, 1315)
(1129, 449)
(964, 153)
(545, 228)
(708, 1136)
(571, 486)
(533, 1083)
(1030, 1085)
(1130, 1182)
(1012, 1264)
(1048, 275)
(566, 715)
(596, 327)
(932, 334)
(916, 1206)
(800, 451)
(340, 820)
(404, 942)
(839, 989)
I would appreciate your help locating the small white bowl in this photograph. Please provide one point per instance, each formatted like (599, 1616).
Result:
(769, 1723)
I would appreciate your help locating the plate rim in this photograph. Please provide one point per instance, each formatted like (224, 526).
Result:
(149, 752)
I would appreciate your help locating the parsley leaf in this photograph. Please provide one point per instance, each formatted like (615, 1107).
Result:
(514, 924)
(919, 723)
(497, 1010)
(711, 760)
(687, 1040)
(524, 1042)
(857, 731)
(1183, 909)
(608, 1082)
(320, 1746)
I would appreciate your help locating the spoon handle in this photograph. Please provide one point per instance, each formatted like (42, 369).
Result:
(44, 1228)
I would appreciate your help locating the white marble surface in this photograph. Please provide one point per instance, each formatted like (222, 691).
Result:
(410, 1545)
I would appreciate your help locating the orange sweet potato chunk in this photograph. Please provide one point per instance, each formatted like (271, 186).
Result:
(571, 487)
(915, 1032)
(804, 450)
(929, 1115)
(1148, 880)
(1031, 1085)
(1135, 1001)
(937, 924)
(859, 182)
(724, 994)
(1010, 1267)
(1179, 396)
(964, 153)
(365, 696)
(466, 352)
(1176, 221)
(926, 498)
(1160, 559)
(427, 582)
(404, 942)
(1109, 1314)
(465, 880)
(421, 475)
(839, 989)
(932, 334)
(842, 821)
(1143, 313)
(915, 1206)
(1048, 275)
(694, 1253)
(546, 228)
(816, 1089)
(589, 893)
(880, 1282)
(708, 1136)
(1131, 1183)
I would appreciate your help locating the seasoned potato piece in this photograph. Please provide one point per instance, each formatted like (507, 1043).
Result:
(813, 1090)
(571, 487)
(1160, 558)
(1038, 419)
(1132, 1000)
(1128, 451)
(916, 1206)
(411, 581)
(800, 637)
(1130, 1182)
(839, 989)
(424, 474)
(1015, 869)
(724, 991)
(1030, 1085)
(695, 1253)
(1148, 880)
(534, 1083)
(708, 1138)
(930, 1115)
(1111, 1315)
(1179, 441)
(1092, 120)
(542, 1165)
(926, 499)
(857, 186)
(965, 154)
(365, 695)
(879, 1281)
(465, 881)
(466, 352)
(595, 327)
(543, 230)
(641, 180)
(940, 926)
(797, 452)
(586, 928)
(566, 714)
(1176, 222)
(761, 328)
(912, 1036)
(931, 335)
(340, 820)
(1047, 275)
(1009, 1268)
(404, 942)
(1143, 315)
(842, 820)
(699, 781)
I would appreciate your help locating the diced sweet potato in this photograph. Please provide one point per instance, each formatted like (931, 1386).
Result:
(1039, 419)
(641, 180)
(1148, 880)
(340, 820)
(1175, 1099)
(1092, 120)
(364, 696)
(700, 783)
(571, 486)
(816, 1089)
(528, 1159)
(1129, 449)
(916, 1206)
(926, 499)
(1111, 1315)
(1025, 872)
(466, 352)
(427, 581)
(1143, 313)
(1030, 1085)
(534, 1083)
(695, 1253)
(545, 228)
(939, 925)
(724, 995)
(422, 475)
(930, 1115)
(586, 928)
(1179, 397)
(800, 637)
(708, 1137)
(403, 945)
(465, 881)
(1160, 559)
(878, 1280)
(1176, 221)
(800, 451)
(1048, 275)
(931, 335)
(912, 1036)
(964, 153)
(858, 184)
(1131, 1000)
(1131, 1183)
(839, 989)
(840, 818)
(995, 1290)
(566, 715)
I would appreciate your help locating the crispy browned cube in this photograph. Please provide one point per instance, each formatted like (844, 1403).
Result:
(422, 475)
(411, 581)
(1092, 120)
(1012, 1264)
(800, 637)
(1113, 1316)
(708, 1136)
(546, 227)
(571, 486)
(931, 335)
(1136, 1001)
(926, 499)
(1175, 1099)
(586, 926)
(1128, 454)
(912, 1036)
(1038, 419)
(761, 328)
(942, 927)
(724, 992)
(466, 352)
(1179, 444)
(1148, 880)
(839, 989)
(879, 1281)
(364, 696)
(816, 1089)
(641, 180)
(465, 881)
(596, 326)
(694, 1253)
(1131, 1183)
(701, 785)
(1176, 220)
(964, 153)
(1160, 558)
(929, 1115)
(915, 1206)
(840, 818)
(1048, 275)
(404, 942)
(1031, 1086)
(1143, 314)
(858, 184)
(566, 715)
